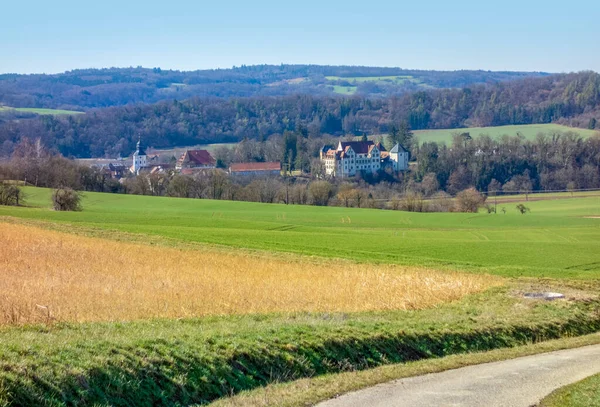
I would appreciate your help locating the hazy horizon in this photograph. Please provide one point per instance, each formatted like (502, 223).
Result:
(238, 66)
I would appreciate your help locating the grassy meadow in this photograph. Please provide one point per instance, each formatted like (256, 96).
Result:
(344, 90)
(140, 300)
(357, 80)
(53, 112)
(529, 131)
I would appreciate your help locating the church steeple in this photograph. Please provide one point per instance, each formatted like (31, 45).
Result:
(139, 147)
(139, 157)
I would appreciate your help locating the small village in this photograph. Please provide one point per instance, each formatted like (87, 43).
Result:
(348, 159)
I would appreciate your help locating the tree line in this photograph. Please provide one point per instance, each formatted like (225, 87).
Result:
(569, 98)
(457, 176)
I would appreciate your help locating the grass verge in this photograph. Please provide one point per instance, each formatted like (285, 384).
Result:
(585, 393)
(183, 362)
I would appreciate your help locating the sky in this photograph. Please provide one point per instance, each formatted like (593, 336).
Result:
(527, 35)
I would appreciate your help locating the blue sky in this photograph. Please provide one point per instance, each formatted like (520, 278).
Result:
(54, 36)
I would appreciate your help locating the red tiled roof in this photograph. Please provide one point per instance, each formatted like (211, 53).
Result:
(201, 157)
(242, 167)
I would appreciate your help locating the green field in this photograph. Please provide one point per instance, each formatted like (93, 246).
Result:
(356, 80)
(529, 131)
(188, 361)
(344, 90)
(53, 112)
(558, 238)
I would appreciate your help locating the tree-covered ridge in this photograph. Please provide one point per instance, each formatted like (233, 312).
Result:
(570, 99)
(89, 88)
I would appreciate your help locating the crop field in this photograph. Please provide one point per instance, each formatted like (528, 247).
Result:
(558, 238)
(529, 131)
(53, 112)
(53, 276)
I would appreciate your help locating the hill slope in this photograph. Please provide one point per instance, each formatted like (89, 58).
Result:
(569, 99)
(89, 88)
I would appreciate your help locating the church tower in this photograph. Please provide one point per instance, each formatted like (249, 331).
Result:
(139, 157)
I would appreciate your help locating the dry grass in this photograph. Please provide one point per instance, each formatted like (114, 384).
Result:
(47, 276)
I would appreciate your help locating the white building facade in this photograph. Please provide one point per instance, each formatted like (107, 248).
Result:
(352, 157)
(399, 158)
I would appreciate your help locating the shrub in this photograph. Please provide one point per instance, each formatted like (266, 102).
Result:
(66, 199)
(469, 200)
(413, 202)
(10, 195)
(321, 192)
(441, 202)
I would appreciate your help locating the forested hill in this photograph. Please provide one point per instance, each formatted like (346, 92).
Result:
(568, 98)
(92, 88)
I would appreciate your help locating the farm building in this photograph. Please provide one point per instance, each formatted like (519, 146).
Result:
(196, 159)
(352, 157)
(268, 168)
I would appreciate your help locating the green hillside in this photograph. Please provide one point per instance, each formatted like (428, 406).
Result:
(529, 131)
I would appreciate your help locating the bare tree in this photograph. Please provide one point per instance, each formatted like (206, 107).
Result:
(66, 199)
(469, 200)
(320, 192)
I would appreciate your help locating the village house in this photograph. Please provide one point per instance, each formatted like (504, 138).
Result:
(255, 169)
(195, 159)
(117, 170)
(352, 157)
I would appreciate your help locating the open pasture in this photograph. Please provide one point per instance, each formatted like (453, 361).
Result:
(558, 238)
(345, 90)
(53, 112)
(529, 131)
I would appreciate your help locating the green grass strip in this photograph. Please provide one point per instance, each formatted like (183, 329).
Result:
(187, 362)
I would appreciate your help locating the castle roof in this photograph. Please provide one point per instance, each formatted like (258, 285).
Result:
(398, 149)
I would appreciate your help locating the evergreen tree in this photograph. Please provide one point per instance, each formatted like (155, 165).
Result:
(400, 134)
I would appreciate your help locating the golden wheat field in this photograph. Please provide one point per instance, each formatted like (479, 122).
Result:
(53, 276)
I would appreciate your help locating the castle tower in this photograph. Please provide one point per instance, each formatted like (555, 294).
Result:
(139, 157)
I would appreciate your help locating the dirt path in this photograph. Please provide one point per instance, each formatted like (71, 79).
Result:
(517, 382)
